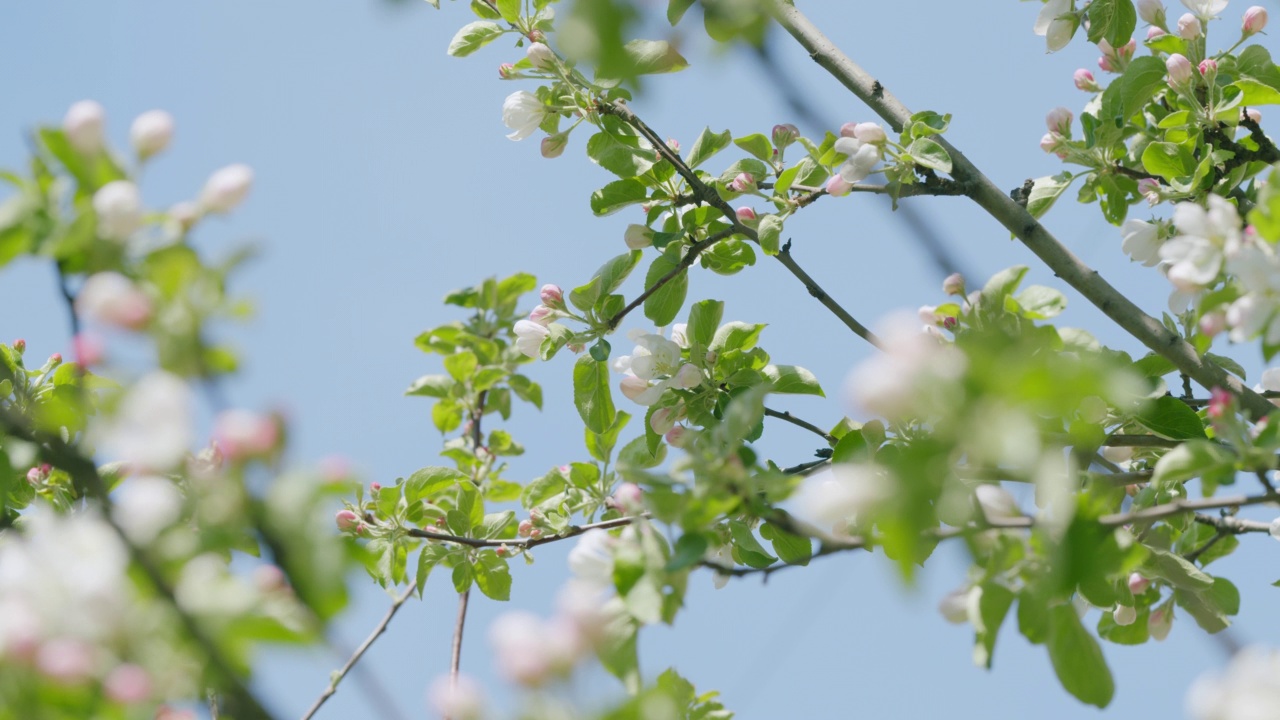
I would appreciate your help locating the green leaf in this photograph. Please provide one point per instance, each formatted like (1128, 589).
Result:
(601, 445)
(930, 154)
(1168, 160)
(769, 233)
(676, 10)
(704, 318)
(617, 647)
(623, 155)
(461, 365)
(617, 195)
(792, 549)
(1076, 657)
(431, 555)
(591, 394)
(473, 36)
(664, 304)
(747, 548)
(1041, 303)
(636, 455)
(707, 144)
(1171, 418)
(1254, 93)
(493, 575)
(1001, 285)
(437, 386)
(687, 552)
(470, 504)
(1046, 192)
(526, 389)
(462, 577)
(735, 336)
(650, 57)
(1176, 570)
(1211, 606)
(1111, 20)
(1129, 93)
(994, 601)
(429, 482)
(1192, 459)
(757, 144)
(792, 379)
(509, 10)
(605, 281)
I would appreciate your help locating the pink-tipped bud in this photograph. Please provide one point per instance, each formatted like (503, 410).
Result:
(846, 130)
(537, 36)
(347, 520)
(242, 434)
(525, 529)
(662, 420)
(1213, 323)
(784, 135)
(1189, 27)
(1151, 11)
(742, 183)
(542, 315)
(1219, 403)
(837, 186)
(1255, 19)
(501, 551)
(1125, 52)
(954, 284)
(88, 348)
(1159, 623)
(1253, 115)
(676, 436)
(1138, 584)
(37, 475)
(1149, 187)
(688, 376)
(629, 498)
(746, 215)
(1052, 144)
(1059, 121)
(551, 295)
(871, 133)
(20, 346)
(541, 56)
(1208, 68)
(674, 144)
(1154, 32)
(1084, 80)
(553, 146)
(1179, 68)
(638, 237)
(535, 515)
(507, 71)
(375, 486)
(1106, 65)
(55, 359)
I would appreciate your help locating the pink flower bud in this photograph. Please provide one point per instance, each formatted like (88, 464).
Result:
(1179, 68)
(673, 144)
(1219, 403)
(1138, 584)
(846, 130)
(536, 36)
(1255, 19)
(1125, 52)
(1154, 32)
(1208, 68)
(1213, 323)
(242, 434)
(269, 579)
(638, 237)
(537, 533)
(553, 146)
(629, 498)
(1159, 623)
(688, 376)
(1084, 80)
(949, 322)
(347, 520)
(84, 126)
(541, 56)
(662, 420)
(37, 475)
(1059, 121)
(1105, 64)
(784, 135)
(551, 295)
(55, 359)
(746, 215)
(1149, 187)
(542, 315)
(375, 487)
(1252, 114)
(676, 436)
(1124, 615)
(226, 188)
(525, 529)
(837, 186)
(576, 348)
(869, 132)
(1189, 27)
(20, 345)
(501, 551)
(1151, 11)
(742, 183)
(507, 71)
(88, 349)
(535, 515)
(151, 132)
(954, 284)
(1052, 143)
(127, 684)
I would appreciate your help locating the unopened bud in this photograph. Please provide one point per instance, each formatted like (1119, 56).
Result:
(638, 237)
(1179, 68)
(525, 529)
(1189, 27)
(541, 56)
(662, 420)
(1059, 121)
(1255, 19)
(226, 188)
(629, 498)
(1138, 584)
(871, 133)
(837, 186)
(501, 551)
(375, 486)
(1154, 32)
(84, 126)
(553, 146)
(20, 345)
(784, 135)
(674, 144)
(746, 215)
(1084, 80)
(1213, 323)
(846, 130)
(742, 183)
(689, 376)
(676, 436)
(507, 71)
(552, 296)
(151, 132)
(55, 359)
(1151, 11)
(1159, 623)
(347, 520)
(1252, 114)
(1124, 615)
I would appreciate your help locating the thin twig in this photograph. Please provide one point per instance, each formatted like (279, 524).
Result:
(573, 531)
(1195, 554)
(784, 257)
(455, 661)
(1015, 218)
(690, 256)
(378, 629)
(787, 416)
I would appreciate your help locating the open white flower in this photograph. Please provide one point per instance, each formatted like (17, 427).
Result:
(1056, 24)
(152, 428)
(146, 505)
(1248, 689)
(653, 366)
(529, 337)
(1205, 9)
(523, 112)
(841, 493)
(863, 158)
(1141, 241)
(1206, 236)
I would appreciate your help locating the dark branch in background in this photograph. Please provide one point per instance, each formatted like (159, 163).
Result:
(359, 653)
(89, 483)
(787, 416)
(690, 256)
(455, 661)
(920, 228)
(573, 531)
(821, 295)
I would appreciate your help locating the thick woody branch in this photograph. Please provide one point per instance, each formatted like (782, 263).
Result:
(1014, 217)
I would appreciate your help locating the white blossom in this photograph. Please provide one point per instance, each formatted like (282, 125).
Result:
(996, 502)
(529, 337)
(460, 698)
(1205, 236)
(145, 505)
(226, 188)
(1055, 23)
(112, 299)
(1247, 689)
(151, 132)
(954, 606)
(653, 366)
(862, 158)
(118, 205)
(913, 374)
(523, 112)
(1205, 9)
(842, 492)
(1141, 241)
(152, 427)
(84, 126)
(591, 559)
(529, 650)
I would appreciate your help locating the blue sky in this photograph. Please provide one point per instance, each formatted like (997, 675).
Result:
(384, 180)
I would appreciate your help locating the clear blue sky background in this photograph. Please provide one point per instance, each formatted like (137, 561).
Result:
(384, 180)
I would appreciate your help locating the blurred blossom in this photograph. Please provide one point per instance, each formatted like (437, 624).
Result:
(152, 427)
(1205, 9)
(1141, 241)
(151, 132)
(530, 650)
(912, 376)
(65, 660)
(996, 502)
(1255, 19)
(1247, 689)
(844, 491)
(112, 299)
(954, 606)
(226, 188)
(243, 433)
(459, 698)
(118, 205)
(84, 125)
(591, 559)
(128, 684)
(145, 505)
